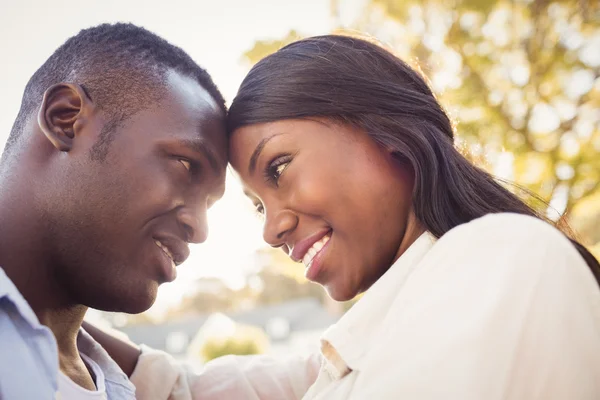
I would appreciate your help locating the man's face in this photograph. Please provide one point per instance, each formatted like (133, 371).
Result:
(119, 226)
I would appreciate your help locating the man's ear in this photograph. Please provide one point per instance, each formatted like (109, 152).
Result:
(62, 106)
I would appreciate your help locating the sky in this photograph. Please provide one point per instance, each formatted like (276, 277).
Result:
(215, 34)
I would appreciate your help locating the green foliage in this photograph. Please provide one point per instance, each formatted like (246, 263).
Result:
(399, 9)
(262, 48)
(214, 348)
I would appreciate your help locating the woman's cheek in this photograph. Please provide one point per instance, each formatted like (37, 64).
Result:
(309, 191)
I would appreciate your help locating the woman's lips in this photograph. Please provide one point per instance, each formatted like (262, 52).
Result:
(300, 248)
(315, 263)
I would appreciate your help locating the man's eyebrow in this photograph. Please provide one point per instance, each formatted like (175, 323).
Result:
(199, 146)
(259, 148)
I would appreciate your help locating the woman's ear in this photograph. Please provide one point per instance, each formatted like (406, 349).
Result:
(403, 164)
(62, 106)
(399, 158)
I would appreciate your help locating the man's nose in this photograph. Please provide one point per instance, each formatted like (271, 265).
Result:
(194, 223)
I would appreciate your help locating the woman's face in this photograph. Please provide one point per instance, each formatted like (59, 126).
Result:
(331, 197)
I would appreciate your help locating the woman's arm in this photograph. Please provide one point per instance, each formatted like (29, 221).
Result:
(157, 375)
(258, 377)
(125, 353)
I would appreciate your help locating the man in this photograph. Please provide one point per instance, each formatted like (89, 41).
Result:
(117, 151)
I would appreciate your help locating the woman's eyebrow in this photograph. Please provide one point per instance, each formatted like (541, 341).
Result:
(259, 148)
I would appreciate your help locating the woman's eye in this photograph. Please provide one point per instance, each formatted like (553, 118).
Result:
(186, 164)
(260, 209)
(276, 168)
(280, 168)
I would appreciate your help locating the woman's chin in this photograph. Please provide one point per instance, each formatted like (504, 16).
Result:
(340, 293)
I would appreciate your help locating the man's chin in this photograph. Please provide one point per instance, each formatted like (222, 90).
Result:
(136, 307)
(130, 302)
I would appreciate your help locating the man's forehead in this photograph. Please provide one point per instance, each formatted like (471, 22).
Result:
(213, 136)
(196, 106)
(190, 92)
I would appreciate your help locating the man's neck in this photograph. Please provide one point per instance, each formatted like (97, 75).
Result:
(65, 325)
(26, 255)
(26, 259)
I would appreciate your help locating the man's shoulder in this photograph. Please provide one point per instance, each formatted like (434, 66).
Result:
(20, 330)
(14, 305)
(29, 361)
(18, 337)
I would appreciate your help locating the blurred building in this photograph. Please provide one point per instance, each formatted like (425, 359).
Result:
(292, 327)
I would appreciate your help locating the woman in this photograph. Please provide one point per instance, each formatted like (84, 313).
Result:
(469, 293)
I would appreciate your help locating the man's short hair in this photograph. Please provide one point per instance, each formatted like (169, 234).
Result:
(120, 66)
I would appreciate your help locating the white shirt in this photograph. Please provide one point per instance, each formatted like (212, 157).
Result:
(503, 307)
(69, 390)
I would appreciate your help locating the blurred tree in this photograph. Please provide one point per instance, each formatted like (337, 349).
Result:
(210, 295)
(239, 346)
(283, 279)
(245, 340)
(279, 287)
(277, 280)
(519, 76)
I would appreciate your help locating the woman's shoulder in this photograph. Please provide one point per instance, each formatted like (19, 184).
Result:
(514, 243)
(505, 229)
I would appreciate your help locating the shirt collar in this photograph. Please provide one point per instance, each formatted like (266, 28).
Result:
(10, 291)
(112, 372)
(345, 343)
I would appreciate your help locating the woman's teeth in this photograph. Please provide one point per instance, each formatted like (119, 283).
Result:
(314, 249)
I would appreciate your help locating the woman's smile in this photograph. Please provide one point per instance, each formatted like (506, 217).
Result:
(336, 211)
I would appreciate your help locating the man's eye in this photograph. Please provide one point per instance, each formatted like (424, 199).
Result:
(186, 164)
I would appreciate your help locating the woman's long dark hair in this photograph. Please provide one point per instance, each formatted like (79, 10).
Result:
(353, 81)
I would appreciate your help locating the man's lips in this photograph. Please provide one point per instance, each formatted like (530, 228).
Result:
(174, 247)
(301, 247)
